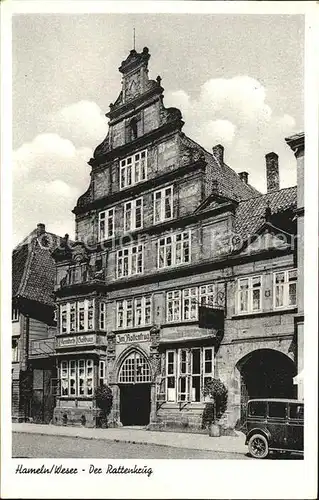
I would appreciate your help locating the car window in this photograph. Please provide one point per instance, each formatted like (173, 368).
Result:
(277, 410)
(257, 409)
(296, 411)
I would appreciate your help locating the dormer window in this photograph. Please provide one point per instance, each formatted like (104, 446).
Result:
(133, 169)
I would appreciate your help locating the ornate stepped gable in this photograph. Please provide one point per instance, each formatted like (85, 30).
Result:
(138, 94)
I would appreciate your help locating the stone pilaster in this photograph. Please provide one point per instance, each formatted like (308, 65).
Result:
(155, 360)
(114, 417)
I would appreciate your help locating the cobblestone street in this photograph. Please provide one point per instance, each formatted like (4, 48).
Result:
(29, 446)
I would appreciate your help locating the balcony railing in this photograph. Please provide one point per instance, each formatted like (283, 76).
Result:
(82, 274)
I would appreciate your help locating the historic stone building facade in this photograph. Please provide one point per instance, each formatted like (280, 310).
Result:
(297, 144)
(182, 271)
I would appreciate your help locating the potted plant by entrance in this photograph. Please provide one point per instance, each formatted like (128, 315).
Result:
(215, 394)
(104, 401)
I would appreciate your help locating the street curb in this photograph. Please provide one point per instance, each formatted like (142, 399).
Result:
(128, 441)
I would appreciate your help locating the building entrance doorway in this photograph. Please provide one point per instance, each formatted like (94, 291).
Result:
(135, 404)
(135, 390)
(265, 373)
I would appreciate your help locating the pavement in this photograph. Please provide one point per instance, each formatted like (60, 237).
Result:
(228, 444)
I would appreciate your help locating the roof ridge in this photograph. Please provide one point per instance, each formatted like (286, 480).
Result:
(267, 194)
(26, 271)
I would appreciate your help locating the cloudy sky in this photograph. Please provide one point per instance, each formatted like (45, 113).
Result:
(237, 79)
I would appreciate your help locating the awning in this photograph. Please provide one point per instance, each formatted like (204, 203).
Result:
(298, 378)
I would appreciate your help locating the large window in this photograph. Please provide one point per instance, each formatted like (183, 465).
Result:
(77, 316)
(163, 204)
(187, 370)
(134, 312)
(135, 369)
(130, 261)
(133, 214)
(102, 316)
(102, 372)
(133, 169)
(106, 224)
(76, 377)
(182, 305)
(249, 294)
(285, 288)
(174, 250)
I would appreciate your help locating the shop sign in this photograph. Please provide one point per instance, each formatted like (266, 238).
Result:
(73, 341)
(85, 339)
(129, 338)
(66, 342)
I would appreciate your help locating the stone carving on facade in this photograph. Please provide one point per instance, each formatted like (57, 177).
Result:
(111, 346)
(154, 351)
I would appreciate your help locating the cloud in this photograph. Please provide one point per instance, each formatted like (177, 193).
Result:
(222, 131)
(235, 112)
(82, 122)
(49, 174)
(51, 171)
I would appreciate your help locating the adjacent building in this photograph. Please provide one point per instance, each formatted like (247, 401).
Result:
(181, 271)
(297, 144)
(33, 327)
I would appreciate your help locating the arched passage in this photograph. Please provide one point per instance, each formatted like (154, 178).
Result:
(134, 380)
(265, 373)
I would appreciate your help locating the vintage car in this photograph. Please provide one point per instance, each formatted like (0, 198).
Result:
(274, 425)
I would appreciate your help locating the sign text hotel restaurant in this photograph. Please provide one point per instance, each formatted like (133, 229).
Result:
(121, 338)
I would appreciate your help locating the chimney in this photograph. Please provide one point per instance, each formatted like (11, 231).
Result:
(40, 229)
(243, 177)
(272, 172)
(218, 153)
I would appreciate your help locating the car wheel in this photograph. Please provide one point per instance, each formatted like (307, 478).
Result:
(258, 446)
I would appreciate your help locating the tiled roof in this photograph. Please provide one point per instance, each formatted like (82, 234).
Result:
(19, 261)
(229, 183)
(250, 214)
(33, 270)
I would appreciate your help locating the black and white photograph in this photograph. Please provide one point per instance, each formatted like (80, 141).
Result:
(163, 288)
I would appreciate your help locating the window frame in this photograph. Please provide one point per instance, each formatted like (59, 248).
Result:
(162, 204)
(67, 307)
(69, 370)
(173, 248)
(175, 394)
(197, 297)
(130, 260)
(15, 314)
(250, 289)
(130, 161)
(178, 297)
(102, 316)
(106, 213)
(132, 222)
(121, 305)
(102, 373)
(286, 286)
